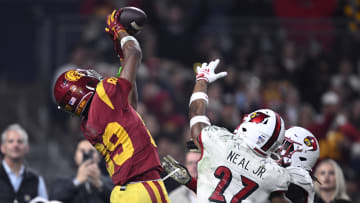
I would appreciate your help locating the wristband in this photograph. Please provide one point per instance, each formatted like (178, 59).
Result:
(199, 95)
(199, 119)
(201, 76)
(127, 38)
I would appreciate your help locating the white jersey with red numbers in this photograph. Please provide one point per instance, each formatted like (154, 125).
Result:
(302, 178)
(229, 171)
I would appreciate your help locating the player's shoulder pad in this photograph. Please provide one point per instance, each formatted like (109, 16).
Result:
(111, 80)
(111, 84)
(214, 133)
(299, 176)
(213, 130)
(106, 86)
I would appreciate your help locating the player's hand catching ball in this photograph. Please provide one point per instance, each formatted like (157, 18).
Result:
(207, 72)
(113, 27)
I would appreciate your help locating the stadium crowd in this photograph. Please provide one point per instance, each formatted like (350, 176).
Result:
(304, 66)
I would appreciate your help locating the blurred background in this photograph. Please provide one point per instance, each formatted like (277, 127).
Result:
(298, 57)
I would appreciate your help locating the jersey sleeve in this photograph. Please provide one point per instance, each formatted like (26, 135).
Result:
(300, 177)
(212, 139)
(280, 180)
(210, 135)
(116, 90)
(124, 85)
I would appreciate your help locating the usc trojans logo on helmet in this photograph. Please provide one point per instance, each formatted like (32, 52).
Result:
(258, 117)
(72, 75)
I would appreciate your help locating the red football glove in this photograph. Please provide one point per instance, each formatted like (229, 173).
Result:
(113, 28)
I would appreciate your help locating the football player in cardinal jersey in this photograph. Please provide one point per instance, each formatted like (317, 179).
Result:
(111, 123)
(298, 154)
(236, 168)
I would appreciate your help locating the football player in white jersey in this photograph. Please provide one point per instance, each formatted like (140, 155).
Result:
(299, 153)
(236, 168)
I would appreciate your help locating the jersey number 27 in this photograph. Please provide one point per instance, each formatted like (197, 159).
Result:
(225, 176)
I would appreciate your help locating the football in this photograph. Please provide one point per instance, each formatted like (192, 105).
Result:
(133, 19)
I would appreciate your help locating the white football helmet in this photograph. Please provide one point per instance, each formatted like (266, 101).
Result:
(263, 131)
(300, 148)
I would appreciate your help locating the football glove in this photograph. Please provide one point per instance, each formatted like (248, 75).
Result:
(113, 28)
(207, 72)
(181, 175)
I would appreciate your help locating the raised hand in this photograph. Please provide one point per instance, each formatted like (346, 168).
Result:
(113, 28)
(207, 72)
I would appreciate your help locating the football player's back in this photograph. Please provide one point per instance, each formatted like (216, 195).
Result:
(119, 124)
(230, 171)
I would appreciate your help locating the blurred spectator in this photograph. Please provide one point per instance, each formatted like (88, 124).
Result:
(345, 82)
(291, 58)
(306, 115)
(167, 144)
(229, 115)
(18, 182)
(291, 105)
(332, 141)
(88, 184)
(350, 123)
(183, 194)
(332, 188)
(330, 107)
(163, 106)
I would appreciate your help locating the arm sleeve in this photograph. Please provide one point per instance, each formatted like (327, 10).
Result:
(42, 192)
(280, 180)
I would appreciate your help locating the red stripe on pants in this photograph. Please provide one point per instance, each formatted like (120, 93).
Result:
(157, 184)
(150, 191)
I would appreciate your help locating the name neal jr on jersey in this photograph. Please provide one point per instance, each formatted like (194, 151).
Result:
(236, 159)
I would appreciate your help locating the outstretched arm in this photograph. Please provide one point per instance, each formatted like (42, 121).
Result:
(132, 60)
(129, 51)
(197, 109)
(198, 101)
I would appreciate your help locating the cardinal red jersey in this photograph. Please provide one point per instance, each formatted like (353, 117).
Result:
(119, 134)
